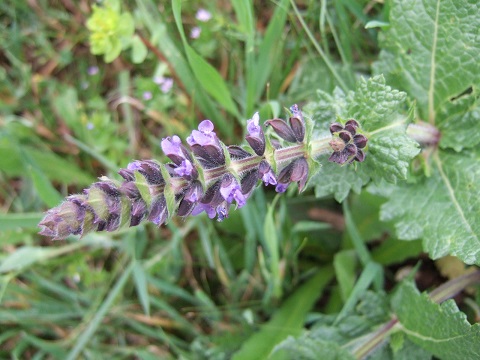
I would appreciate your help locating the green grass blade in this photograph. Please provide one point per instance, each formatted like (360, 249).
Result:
(368, 276)
(270, 49)
(288, 320)
(206, 74)
(93, 325)
(273, 250)
(140, 279)
(160, 37)
(19, 221)
(49, 195)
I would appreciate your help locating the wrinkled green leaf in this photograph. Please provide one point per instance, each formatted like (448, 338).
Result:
(458, 122)
(443, 209)
(431, 51)
(441, 329)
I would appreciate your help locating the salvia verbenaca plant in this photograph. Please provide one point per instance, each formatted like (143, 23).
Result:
(207, 176)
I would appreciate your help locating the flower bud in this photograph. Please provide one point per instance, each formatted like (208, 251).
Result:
(282, 129)
(255, 137)
(206, 145)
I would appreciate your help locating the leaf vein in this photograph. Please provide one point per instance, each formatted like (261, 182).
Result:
(431, 106)
(451, 193)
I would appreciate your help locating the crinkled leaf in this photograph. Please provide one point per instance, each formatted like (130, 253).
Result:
(441, 329)
(458, 122)
(339, 181)
(431, 50)
(443, 209)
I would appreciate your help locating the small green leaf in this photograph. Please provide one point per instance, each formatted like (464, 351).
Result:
(139, 50)
(441, 329)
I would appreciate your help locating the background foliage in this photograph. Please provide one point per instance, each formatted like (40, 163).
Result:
(87, 88)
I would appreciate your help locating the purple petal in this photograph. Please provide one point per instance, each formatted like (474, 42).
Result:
(268, 176)
(253, 127)
(360, 141)
(335, 127)
(231, 190)
(345, 136)
(360, 156)
(282, 129)
(281, 187)
(184, 169)
(199, 208)
(222, 212)
(206, 127)
(203, 15)
(298, 127)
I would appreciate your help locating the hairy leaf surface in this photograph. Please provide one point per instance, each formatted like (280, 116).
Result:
(431, 50)
(443, 209)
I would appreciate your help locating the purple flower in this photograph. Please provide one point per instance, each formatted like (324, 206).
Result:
(255, 136)
(190, 199)
(92, 70)
(231, 190)
(203, 15)
(281, 188)
(173, 148)
(165, 83)
(185, 169)
(296, 171)
(90, 126)
(206, 145)
(159, 80)
(195, 32)
(292, 132)
(147, 95)
(268, 176)
(166, 86)
(199, 208)
(204, 135)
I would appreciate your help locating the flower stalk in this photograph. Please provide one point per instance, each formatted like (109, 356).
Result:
(207, 176)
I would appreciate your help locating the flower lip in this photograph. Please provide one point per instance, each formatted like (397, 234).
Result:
(230, 190)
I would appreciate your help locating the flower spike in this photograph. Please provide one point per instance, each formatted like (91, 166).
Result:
(205, 176)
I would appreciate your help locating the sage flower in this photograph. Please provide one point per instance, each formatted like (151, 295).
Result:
(204, 175)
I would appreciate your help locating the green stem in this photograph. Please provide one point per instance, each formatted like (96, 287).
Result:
(320, 147)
